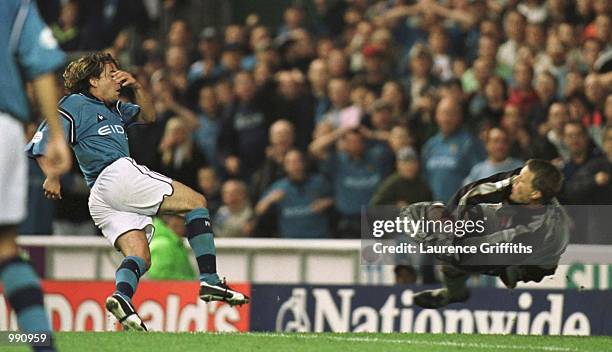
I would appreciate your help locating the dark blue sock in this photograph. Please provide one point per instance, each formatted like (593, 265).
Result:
(128, 274)
(22, 289)
(202, 242)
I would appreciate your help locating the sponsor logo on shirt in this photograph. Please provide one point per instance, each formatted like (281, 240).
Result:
(108, 129)
(361, 182)
(248, 121)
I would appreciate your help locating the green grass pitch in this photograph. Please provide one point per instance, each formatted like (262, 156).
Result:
(297, 342)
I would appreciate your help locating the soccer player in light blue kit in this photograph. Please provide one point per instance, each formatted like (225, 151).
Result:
(124, 195)
(29, 53)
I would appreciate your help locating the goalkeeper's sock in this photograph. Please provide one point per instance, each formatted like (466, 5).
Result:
(127, 275)
(22, 289)
(202, 242)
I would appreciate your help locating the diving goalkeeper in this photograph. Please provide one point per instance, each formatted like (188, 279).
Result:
(518, 207)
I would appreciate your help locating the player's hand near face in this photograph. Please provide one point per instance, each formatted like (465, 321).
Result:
(125, 79)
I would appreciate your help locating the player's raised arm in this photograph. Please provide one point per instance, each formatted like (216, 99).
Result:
(143, 99)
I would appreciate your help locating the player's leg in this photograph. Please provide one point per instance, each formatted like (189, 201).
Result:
(135, 247)
(137, 261)
(454, 290)
(186, 201)
(22, 287)
(21, 284)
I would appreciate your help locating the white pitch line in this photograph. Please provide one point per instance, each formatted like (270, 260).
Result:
(417, 342)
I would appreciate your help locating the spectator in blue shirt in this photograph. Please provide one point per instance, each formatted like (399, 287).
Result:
(207, 135)
(354, 170)
(302, 200)
(498, 160)
(450, 154)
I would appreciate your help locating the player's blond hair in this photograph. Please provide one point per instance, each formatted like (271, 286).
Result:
(77, 74)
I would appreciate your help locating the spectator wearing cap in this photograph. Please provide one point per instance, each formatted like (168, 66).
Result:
(405, 186)
(498, 157)
(301, 200)
(449, 155)
(209, 49)
(375, 72)
(354, 171)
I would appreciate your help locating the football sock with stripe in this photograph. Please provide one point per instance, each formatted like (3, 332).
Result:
(22, 289)
(202, 242)
(127, 275)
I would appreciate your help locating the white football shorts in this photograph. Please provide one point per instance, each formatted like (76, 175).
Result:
(125, 197)
(13, 171)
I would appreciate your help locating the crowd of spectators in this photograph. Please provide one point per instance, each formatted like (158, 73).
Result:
(289, 131)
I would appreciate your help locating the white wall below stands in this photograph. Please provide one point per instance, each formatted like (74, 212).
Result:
(296, 261)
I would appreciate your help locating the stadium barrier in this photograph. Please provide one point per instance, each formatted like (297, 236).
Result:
(173, 306)
(259, 260)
